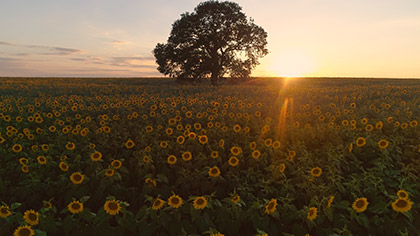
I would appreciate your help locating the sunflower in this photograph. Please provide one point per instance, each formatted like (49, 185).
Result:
(5, 211)
(172, 159)
(236, 150)
(158, 203)
(253, 145)
(151, 182)
(63, 166)
(75, 207)
(236, 128)
(402, 194)
(180, 139)
(192, 135)
(42, 160)
(45, 147)
(92, 146)
(271, 206)
(221, 143)
(112, 207)
(312, 213)
(186, 156)
(25, 230)
(23, 161)
(24, 169)
(17, 148)
(77, 178)
(214, 171)
(31, 217)
(330, 201)
(414, 123)
(402, 205)
(214, 154)
(383, 144)
(203, 139)
(360, 204)
(146, 159)
(96, 156)
(217, 234)
(291, 154)
(116, 164)
(200, 203)
(282, 167)
(360, 142)
(70, 146)
(175, 201)
(268, 142)
(236, 199)
(276, 145)
(256, 154)
(169, 131)
(316, 172)
(109, 172)
(369, 127)
(47, 204)
(129, 144)
(350, 147)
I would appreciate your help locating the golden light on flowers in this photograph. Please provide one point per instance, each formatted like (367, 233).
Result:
(158, 204)
(129, 144)
(75, 207)
(330, 201)
(235, 199)
(312, 213)
(109, 172)
(77, 178)
(5, 211)
(24, 230)
(236, 150)
(186, 156)
(402, 205)
(96, 156)
(63, 166)
(214, 154)
(70, 146)
(41, 160)
(172, 159)
(382, 144)
(360, 204)
(233, 161)
(116, 164)
(175, 201)
(203, 139)
(17, 148)
(282, 167)
(271, 206)
(256, 154)
(112, 207)
(360, 142)
(25, 169)
(214, 171)
(31, 217)
(316, 172)
(180, 139)
(200, 203)
(402, 194)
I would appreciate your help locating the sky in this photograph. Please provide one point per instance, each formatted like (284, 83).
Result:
(318, 38)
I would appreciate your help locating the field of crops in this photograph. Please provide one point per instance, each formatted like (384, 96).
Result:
(266, 157)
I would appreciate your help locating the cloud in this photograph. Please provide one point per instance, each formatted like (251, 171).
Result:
(51, 49)
(118, 42)
(133, 62)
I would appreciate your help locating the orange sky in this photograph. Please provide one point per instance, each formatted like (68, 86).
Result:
(376, 38)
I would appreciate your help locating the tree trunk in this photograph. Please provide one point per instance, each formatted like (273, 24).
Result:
(214, 79)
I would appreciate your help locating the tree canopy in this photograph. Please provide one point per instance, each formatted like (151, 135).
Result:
(215, 40)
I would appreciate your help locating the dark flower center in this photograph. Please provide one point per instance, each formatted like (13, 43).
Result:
(113, 206)
(271, 205)
(77, 177)
(214, 171)
(24, 232)
(75, 206)
(32, 217)
(360, 204)
(311, 212)
(401, 203)
(4, 210)
(157, 203)
(200, 201)
(315, 171)
(175, 200)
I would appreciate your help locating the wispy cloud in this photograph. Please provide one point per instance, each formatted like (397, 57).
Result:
(119, 42)
(51, 49)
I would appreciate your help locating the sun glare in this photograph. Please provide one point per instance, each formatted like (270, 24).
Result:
(290, 64)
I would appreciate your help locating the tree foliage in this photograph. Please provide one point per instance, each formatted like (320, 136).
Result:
(215, 40)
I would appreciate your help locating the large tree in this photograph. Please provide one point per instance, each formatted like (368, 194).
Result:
(215, 40)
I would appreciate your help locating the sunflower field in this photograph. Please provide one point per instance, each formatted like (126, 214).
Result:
(265, 157)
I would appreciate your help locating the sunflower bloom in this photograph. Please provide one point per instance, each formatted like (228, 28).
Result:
(70, 146)
(175, 201)
(31, 217)
(186, 156)
(236, 199)
(383, 144)
(200, 203)
(75, 207)
(330, 201)
(402, 205)
(360, 204)
(77, 178)
(158, 204)
(214, 171)
(312, 213)
(270, 208)
(25, 230)
(233, 161)
(129, 144)
(116, 164)
(316, 172)
(112, 207)
(360, 142)
(402, 194)
(96, 156)
(5, 211)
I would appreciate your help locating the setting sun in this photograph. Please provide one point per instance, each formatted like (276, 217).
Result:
(290, 64)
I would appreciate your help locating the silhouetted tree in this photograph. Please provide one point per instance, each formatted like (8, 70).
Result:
(216, 39)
